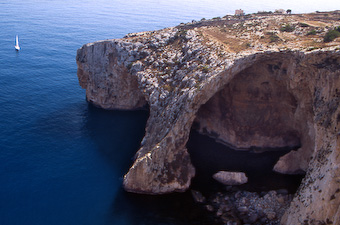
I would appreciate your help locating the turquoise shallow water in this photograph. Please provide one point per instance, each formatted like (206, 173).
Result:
(62, 160)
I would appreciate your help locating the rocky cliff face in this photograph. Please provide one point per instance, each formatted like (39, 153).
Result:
(263, 94)
(102, 71)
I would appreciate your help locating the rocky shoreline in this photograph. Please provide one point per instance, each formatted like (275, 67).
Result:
(236, 207)
(231, 197)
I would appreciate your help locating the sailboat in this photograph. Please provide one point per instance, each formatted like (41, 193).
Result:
(17, 47)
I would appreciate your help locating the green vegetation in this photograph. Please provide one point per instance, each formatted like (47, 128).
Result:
(217, 18)
(129, 66)
(168, 87)
(312, 32)
(303, 25)
(274, 38)
(332, 34)
(287, 28)
(181, 35)
(264, 12)
(223, 29)
(205, 69)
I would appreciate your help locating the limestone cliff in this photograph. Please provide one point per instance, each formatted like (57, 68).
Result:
(247, 82)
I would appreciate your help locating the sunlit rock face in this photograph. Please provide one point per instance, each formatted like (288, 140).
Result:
(102, 72)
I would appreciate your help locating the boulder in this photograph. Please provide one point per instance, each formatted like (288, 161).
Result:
(231, 178)
(198, 196)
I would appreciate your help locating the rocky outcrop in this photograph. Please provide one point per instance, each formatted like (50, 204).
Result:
(102, 71)
(231, 178)
(264, 96)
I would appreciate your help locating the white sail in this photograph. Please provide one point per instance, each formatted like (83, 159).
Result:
(17, 47)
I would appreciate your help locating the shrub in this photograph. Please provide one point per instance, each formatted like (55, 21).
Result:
(312, 32)
(205, 69)
(168, 87)
(181, 34)
(331, 35)
(129, 66)
(303, 25)
(264, 12)
(287, 28)
(274, 38)
(223, 30)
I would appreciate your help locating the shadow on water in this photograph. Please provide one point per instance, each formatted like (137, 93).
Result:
(115, 137)
(109, 140)
(117, 134)
(209, 157)
(112, 134)
(177, 208)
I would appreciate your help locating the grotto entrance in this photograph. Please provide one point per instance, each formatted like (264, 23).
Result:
(246, 127)
(257, 124)
(209, 157)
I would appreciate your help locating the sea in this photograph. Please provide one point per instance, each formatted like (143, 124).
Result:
(62, 160)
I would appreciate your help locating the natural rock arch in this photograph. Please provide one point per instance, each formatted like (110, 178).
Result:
(153, 157)
(258, 108)
(163, 164)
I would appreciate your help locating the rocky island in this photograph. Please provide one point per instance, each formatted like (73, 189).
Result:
(255, 81)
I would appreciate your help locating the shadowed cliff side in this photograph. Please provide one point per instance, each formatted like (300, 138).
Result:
(266, 97)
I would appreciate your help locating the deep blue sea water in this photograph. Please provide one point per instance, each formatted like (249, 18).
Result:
(62, 160)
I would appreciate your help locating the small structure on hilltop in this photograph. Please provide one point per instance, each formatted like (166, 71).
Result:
(280, 11)
(239, 12)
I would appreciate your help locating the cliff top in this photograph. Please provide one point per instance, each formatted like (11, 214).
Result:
(196, 51)
(265, 31)
(184, 58)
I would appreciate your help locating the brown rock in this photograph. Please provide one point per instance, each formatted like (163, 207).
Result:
(290, 163)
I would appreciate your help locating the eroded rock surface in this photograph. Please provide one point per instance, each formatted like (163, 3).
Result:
(265, 94)
(102, 71)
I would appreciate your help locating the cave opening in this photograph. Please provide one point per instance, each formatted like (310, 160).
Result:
(248, 126)
(209, 157)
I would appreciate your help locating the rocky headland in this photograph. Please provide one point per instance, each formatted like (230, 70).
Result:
(257, 81)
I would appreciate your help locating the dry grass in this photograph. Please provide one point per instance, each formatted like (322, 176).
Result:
(242, 36)
(231, 43)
